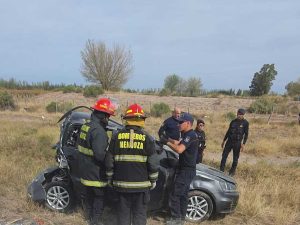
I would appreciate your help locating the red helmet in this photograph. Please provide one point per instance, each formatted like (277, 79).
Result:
(105, 105)
(135, 111)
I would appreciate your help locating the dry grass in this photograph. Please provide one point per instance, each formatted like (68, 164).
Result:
(269, 193)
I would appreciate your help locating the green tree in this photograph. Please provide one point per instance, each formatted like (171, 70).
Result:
(262, 80)
(171, 83)
(193, 87)
(293, 88)
(109, 68)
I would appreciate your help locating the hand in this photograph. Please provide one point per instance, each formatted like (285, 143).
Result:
(242, 147)
(109, 183)
(153, 185)
(163, 139)
(222, 145)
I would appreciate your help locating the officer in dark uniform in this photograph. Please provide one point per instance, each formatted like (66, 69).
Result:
(201, 136)
(236, 136)
(187, 149)
(170, 127)
(92, 145)
(131, 167)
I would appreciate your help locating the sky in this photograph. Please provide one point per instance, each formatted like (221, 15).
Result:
(222, 42)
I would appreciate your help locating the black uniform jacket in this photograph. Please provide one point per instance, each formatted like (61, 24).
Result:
(187, 159)
(92, 145)
(130, 160)
(237, 131)
(170, 129)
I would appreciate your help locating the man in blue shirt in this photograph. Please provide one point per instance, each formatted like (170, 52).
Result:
(170, 127)
(187, 149)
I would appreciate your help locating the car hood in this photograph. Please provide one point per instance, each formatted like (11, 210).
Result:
(214, 172)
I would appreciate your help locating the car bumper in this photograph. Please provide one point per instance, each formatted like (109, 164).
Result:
(227, 202)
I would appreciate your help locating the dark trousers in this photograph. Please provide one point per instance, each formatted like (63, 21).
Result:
(93, 203)
(236, 147)
(199, 156)
(178, 200)
(132, 208)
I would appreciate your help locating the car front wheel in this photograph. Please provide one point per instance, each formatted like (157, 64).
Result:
(59, 196)
(200, 206)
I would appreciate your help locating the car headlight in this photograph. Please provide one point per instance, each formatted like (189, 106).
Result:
(227, 186)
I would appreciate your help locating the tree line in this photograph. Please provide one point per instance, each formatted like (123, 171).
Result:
(110, 68)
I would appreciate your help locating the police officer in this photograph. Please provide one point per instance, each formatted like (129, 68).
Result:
(131, 167)
(170, 127)
(236, 136)
(92, 145)
(187, 149)
(201, 136)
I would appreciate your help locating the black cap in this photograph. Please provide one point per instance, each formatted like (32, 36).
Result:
(241, 111)
(200, 121)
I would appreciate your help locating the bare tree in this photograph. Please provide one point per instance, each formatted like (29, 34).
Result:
(109, 68)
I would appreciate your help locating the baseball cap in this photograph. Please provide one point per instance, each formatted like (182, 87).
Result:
(241, 111)
(185, 117)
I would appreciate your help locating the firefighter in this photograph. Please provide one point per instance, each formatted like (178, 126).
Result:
(93, 141)
(187, 149)
(131, 168)
(235, 138)
(170, 127)
(201, 136)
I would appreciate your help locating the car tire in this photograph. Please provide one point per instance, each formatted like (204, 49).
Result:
(200, 206)
(59, 196)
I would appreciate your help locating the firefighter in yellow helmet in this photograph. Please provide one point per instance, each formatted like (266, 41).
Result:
(131, 168)
(92, 145)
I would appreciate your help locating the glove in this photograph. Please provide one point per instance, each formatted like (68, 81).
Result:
(109, 183)
(163, 139)
(153, 185)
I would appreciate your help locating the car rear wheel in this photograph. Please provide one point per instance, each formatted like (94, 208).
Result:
(200, 206)
(59, 196)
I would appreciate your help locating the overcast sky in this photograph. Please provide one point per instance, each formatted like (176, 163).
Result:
(222, 42)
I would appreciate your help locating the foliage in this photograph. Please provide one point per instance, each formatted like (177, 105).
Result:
(158, 109)
(92, 91)
(293, 88)
(193, 87)
(109, 68)
(72, 88)
(6, 101)
(58, 107)
(164, 92)
(262, 81)
(171, 83)
(265, 104)
(230, 116)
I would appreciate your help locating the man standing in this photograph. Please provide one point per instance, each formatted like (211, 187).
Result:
(236, 136)
(92, 145)
(201, 136)
(131, 167)
(170, 127)
(187, 149)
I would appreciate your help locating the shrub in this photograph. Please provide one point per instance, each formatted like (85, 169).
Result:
(267, 104)
(164, 92)
(230, 116)
(71, 88)
(158, 109)
(6, 101)
(58, 107)
(92, 91)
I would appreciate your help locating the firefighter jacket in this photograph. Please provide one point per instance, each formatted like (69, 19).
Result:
(237, 131)
(92, 144)
(129, 162)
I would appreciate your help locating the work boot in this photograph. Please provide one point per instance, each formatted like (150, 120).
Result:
(231, 172)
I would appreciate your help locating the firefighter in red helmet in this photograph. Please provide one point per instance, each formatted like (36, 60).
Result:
(131, 168)
(92, 144)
